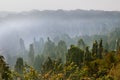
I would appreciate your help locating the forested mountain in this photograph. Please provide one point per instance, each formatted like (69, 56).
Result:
(60, 44)
(53, 23)
(57, 62)
(84, 22)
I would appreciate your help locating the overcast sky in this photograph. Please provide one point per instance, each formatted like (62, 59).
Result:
(26, 5)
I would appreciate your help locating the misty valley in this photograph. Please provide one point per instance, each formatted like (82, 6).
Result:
(60, 45)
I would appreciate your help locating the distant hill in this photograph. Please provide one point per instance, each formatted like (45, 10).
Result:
(53, 23)
(74, 22)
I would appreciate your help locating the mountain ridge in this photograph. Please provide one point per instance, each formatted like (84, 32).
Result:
(30, 24)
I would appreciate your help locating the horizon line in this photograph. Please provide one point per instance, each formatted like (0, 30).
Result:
(59, 10)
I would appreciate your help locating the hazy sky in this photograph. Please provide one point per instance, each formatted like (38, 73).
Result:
(26, 5)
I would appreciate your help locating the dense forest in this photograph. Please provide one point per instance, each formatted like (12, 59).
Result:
(60, 45)
(66, 60)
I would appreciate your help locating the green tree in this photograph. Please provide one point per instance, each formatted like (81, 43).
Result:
(75, 55)
(100, 49)
(95, 49)
(61, 50)
(87, 54)
(106, 47)
(4, 69)
(19, 65)
(48, 65)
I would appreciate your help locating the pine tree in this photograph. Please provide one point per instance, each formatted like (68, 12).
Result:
(19, 65)
(75, 55)
(100, 49)
(87, 54)
(95, 49)
(4, 69)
